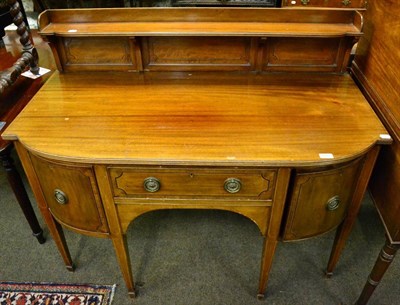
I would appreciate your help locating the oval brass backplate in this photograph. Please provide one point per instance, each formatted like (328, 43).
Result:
(151, 184)
(232, 185)
(60, 196)
(333, 203)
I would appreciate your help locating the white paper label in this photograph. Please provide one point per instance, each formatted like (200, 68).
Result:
(29, 74)
(385, 136)
(326, 156)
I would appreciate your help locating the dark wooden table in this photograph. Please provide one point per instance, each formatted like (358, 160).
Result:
(11, 104)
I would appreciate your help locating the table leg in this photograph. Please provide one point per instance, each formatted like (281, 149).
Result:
(383, 262)
(117, 235)
(272, 232)
(267, 255)
(345, 228)
(20, 193)
(121, 250)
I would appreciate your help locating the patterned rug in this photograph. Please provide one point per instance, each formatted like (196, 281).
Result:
(12, 293)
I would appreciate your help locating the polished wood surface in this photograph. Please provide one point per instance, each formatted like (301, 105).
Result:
(376, 69)
(202, 39)
(126, 143)
(186, 28)
(201, 118)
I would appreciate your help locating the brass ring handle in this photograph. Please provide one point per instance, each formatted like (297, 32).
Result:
(232, 185)
(333, 203)
(60, 196)
(151, 184)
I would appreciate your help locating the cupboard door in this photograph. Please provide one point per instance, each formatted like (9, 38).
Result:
(71, 195)
(319, 201)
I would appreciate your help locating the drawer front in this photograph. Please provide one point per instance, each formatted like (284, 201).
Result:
(319, 201)
(193, 183)
(71, 195)
(326, 3)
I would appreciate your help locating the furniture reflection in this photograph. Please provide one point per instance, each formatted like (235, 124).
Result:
(14, 96)
(376, 69)
(197, 128)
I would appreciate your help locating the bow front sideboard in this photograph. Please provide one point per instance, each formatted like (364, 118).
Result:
(248, 110)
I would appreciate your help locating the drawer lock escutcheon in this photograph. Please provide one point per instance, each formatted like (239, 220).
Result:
(232, 185)
(60, 196)
(151, 184)
(333, 203)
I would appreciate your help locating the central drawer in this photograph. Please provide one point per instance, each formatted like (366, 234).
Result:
(250, 184)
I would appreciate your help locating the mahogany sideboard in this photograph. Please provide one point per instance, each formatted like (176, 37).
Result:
(248, 110)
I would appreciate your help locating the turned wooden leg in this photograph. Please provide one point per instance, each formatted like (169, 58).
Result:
(383, 262)
(345, 228)
(20, 193)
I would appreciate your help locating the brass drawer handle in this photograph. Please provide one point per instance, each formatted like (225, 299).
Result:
(305, 2)
(346, 2)
(151, 184)
(232, 185)
(60, 196)
(333, 203)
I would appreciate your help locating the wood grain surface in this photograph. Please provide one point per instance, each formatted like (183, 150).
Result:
(201, 21)
(198, 118)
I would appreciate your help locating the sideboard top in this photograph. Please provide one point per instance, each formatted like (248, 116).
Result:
(198, 118)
